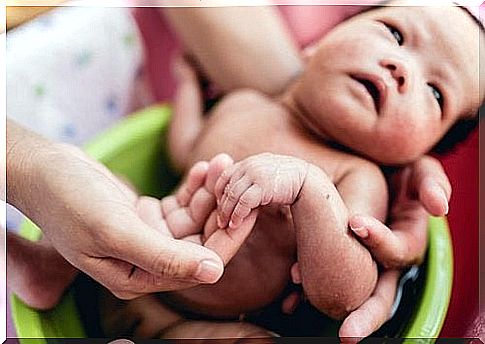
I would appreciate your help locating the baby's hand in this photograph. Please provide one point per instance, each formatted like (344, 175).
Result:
(255, 181)
(190, 213)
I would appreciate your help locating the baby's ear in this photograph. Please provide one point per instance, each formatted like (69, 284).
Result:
(308, 52)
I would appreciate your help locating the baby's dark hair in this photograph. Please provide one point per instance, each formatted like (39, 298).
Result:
(458, 133)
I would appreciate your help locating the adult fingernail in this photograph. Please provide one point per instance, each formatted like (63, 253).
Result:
(441, 196)
(357, 221)
(361, 232)
(220, 223)
(209, 271)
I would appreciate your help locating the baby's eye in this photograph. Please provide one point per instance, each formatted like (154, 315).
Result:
(395, 33)
(437, 95)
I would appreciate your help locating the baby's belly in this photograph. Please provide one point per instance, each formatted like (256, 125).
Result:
(255, 277)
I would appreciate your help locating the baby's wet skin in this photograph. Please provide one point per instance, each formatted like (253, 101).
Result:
(255, 277)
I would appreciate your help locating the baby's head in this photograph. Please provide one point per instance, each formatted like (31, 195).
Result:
(391, 82)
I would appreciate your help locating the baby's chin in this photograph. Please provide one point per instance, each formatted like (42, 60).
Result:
(391, 157)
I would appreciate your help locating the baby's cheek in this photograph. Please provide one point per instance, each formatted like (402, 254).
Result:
(401, 143)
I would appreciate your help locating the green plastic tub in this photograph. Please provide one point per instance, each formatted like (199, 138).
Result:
(134, 149)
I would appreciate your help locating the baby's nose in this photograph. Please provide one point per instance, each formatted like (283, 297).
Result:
(399, 72)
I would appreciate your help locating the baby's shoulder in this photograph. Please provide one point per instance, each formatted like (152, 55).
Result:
(360, 167)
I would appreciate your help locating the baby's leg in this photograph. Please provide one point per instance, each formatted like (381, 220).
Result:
(373, 312)
(148, 317)
(143, 317)
(36, 272)
(187, 120)
(199, 332)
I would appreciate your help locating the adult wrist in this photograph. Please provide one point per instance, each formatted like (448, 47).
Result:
(23, 152)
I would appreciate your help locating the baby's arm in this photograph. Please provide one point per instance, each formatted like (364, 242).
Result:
(338, 273)
(335, 283)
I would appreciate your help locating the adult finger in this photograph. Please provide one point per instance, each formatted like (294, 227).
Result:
(226, 241)
(372, 313)
(164, 257)
(402, 246)
(190, 219)
(126, 281)
(148, 208)
(195, 179)
(432, 185)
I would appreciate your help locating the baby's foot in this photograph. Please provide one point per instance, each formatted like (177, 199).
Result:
(36, 272)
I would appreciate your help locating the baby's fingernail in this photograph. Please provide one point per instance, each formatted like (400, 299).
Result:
(209, 271)
(361, 232)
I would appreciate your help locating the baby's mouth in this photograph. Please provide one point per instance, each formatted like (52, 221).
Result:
(373, 90)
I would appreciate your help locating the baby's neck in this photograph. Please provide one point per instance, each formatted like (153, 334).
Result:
(300, 116)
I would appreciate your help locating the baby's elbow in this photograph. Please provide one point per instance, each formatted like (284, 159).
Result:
(339, 300)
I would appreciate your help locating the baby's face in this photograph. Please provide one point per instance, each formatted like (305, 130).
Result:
(390, 82)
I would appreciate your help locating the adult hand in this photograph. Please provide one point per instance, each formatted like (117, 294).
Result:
(90, 218)
(418, 190)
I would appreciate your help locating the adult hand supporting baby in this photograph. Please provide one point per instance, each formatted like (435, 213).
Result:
(419, 189)
(90, 218)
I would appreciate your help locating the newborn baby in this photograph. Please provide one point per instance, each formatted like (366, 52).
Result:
(381, 87)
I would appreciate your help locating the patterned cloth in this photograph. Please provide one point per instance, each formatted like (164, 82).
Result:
(73, 72)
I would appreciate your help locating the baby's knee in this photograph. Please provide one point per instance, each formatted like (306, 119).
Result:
(338, 298)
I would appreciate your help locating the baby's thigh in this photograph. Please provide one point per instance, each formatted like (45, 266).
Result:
(206, 331)
(144, 317)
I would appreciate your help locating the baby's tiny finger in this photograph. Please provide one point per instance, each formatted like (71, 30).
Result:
(248, 201)
(217, 166)
(222, 182)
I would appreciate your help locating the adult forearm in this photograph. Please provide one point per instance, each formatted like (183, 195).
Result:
(22, 146)
(238, 46)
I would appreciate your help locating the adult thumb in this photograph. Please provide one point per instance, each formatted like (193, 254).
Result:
(165, 257)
